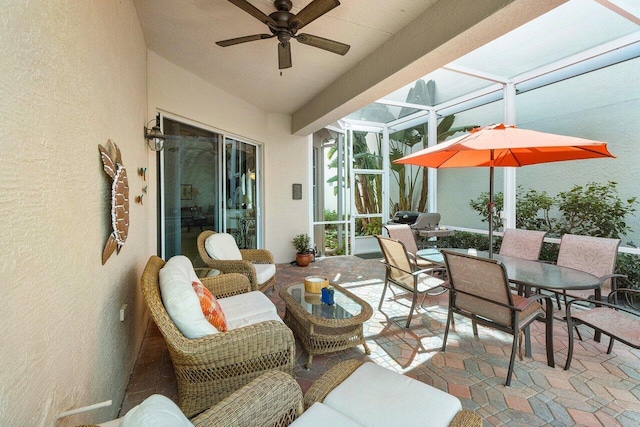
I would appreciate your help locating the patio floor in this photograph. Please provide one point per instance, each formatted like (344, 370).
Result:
(598, 390)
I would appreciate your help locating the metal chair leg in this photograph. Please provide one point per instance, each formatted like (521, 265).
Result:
(514, 349)
(446, 330)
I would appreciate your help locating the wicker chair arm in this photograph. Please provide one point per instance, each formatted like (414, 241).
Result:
(236, 266)
(330, 380)
(466, 418)
(257, 256)
(226, 285)
(234, 346)
(272, 399)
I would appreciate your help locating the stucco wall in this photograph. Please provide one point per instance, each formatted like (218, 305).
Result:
(72, 76)
(181, 94)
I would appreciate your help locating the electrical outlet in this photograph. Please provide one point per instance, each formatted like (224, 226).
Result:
(122, 310)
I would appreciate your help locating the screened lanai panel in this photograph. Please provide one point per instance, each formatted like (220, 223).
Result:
(447, 85)
(569, 29)
(603, 105)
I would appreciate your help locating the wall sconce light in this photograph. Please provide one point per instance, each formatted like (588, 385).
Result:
(154, 136)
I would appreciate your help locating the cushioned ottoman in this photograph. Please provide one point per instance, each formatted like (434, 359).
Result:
(365, 394)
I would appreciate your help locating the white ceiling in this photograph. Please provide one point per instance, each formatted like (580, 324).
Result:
(185, 32)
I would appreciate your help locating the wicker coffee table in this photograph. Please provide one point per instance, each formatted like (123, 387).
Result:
(325, 328)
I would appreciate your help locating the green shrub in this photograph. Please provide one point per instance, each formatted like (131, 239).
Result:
(592, 210)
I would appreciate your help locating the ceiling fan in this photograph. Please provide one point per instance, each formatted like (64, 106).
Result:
(284, 25)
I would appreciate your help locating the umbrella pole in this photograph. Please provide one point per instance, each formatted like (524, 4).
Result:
(490, 208)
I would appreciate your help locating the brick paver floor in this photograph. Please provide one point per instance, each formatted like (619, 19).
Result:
(598, 390)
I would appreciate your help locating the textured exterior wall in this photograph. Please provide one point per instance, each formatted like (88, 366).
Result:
(72, 76)
(179, 93)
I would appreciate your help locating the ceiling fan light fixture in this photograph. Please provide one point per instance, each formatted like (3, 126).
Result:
(284, 25)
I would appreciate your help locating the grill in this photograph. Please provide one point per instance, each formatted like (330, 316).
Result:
(419, 221)
(405, 217)
(424, 224)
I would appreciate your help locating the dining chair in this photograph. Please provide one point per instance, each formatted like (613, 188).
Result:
(402, 272)
(406, 235)
(479, 290)
(525, 244)
(620, 322)
(594, 255)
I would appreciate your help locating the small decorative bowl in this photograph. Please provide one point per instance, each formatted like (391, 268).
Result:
(314, 284)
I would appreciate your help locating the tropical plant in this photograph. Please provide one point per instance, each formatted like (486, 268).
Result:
(301, 242)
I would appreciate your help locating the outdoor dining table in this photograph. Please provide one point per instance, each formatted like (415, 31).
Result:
(528, 274)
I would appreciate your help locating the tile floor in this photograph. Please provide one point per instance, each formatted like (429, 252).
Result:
(599, 390)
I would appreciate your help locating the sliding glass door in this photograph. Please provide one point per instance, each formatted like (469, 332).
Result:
(206, 181)
(190, 183)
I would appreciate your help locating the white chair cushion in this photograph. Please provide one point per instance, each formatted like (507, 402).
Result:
(248, 309)
(112, 423)
(366, 395)
(180, 299)
(222, 246)
(319, 415)
(156, 411)
(252, 320)
(264, 272)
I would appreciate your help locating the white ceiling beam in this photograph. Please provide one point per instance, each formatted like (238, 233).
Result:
(476, 73)
(403, 104)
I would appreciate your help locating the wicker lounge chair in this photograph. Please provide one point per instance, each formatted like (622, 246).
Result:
(274, 399)
(210, 368)
(246, 265)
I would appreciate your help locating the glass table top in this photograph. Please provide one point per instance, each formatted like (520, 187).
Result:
(529, 273)
(344, 306)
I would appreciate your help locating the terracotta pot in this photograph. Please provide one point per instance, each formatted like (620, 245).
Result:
(303, 260)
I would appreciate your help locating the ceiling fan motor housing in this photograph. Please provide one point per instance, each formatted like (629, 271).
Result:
(285, 5)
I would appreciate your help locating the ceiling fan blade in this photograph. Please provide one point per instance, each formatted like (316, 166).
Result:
(322, 43)
(238, 40)
(284, 55)
(313, 11)
(255, 12)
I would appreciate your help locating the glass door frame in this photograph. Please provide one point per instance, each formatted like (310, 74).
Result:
(220, 211)
(370, 245)
(258, 180)
(343, 208)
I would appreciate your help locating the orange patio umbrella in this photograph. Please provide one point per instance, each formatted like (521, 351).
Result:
(501, 146)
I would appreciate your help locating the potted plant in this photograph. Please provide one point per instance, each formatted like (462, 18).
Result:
(303, 254)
